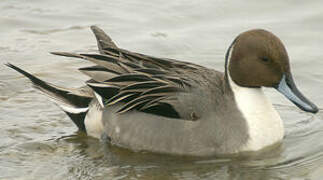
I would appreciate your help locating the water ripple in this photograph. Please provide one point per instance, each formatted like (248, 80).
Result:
(51, 31)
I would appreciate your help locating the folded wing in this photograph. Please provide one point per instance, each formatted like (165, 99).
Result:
(135, 81)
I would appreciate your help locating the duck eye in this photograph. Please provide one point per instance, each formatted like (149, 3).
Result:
(265, 59)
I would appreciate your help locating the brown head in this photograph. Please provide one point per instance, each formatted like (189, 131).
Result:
(258, 58)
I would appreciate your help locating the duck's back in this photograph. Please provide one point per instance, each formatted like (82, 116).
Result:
(163, 105)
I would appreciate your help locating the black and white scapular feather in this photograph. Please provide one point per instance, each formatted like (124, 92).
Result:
(128, 80)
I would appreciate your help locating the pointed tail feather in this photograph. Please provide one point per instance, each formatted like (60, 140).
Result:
(74, 102)
(103, 40)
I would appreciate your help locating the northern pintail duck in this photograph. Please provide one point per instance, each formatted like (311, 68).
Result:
(164, 105)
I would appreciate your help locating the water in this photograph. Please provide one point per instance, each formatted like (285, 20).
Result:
(196, 31)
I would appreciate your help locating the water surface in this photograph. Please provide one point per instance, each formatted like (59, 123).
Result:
(195, 31)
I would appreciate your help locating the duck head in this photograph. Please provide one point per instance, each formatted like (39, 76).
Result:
(258, 58)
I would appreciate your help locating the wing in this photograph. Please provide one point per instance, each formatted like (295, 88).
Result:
(136, 81)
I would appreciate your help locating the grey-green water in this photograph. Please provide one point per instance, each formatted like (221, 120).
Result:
(196, 31)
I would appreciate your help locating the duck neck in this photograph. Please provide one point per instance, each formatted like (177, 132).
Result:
(264, 124)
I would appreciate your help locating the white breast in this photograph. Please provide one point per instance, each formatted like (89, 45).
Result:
(265, 126)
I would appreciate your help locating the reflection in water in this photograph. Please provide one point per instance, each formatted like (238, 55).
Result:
(78, 156)
(85, 157)
(89, 157)
(33, 143)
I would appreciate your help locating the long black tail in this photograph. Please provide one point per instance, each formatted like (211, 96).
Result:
(74, 102)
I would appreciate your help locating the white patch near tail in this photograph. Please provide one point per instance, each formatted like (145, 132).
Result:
(65, 106)
(99, 98)
(93, 120)
(73, 110)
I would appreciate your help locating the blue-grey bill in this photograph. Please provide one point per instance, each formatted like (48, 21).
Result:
(288, 88)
